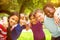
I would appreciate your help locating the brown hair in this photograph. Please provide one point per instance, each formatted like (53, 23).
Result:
(31, 14)
(12, 14)
(48, 5)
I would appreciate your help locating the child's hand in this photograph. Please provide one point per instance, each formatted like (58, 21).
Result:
(56, 20)
(57, 16)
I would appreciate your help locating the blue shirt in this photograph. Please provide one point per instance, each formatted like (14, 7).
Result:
(16, 32)
(51, 26)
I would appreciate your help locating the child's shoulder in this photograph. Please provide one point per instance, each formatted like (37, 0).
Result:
(2, 28)
(39, 23)
(1, 25)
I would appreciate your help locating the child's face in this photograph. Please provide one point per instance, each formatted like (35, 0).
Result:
(33, 19)
(22, 17)
(49, 12)
(27, 26)
(13, 20)
(22, 20)
(40, 17)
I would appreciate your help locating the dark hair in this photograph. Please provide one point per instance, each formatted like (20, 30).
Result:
(9, 27)
(12, 14)
(31, 14)
(48, 5)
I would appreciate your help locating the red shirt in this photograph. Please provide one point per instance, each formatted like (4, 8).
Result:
(3, 33)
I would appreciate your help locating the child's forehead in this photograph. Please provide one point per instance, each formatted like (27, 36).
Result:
(49, 8)
(38, 14)
(32, 17)
(40, 11)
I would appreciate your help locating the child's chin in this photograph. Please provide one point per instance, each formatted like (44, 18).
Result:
(42, 21)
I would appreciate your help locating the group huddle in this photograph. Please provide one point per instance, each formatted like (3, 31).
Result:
(49, 17)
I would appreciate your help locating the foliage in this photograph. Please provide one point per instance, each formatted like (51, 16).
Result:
(23, 5)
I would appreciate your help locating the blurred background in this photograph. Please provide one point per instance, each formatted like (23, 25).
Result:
(25, 6)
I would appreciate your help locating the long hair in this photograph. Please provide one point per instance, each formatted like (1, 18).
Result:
(9, 27)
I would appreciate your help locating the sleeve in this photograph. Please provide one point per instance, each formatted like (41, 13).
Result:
(47, 25)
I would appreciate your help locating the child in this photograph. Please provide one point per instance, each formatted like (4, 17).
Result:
(14, 28)
(18, 29)
(25, 32)
(36, 28)
(39, 15)
(49, 21)
(22, 19)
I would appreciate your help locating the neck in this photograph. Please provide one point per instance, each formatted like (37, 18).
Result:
(35, 22)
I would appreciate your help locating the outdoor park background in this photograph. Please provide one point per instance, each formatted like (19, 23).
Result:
(25, 6)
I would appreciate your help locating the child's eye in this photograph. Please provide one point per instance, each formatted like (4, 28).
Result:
(12, 18)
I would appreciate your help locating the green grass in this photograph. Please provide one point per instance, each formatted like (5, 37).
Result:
(29, 35)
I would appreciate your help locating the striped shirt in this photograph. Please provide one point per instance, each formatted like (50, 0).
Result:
(3, 33)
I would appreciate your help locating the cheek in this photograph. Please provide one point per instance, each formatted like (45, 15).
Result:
(22, 21)
(31, 21)
(34, 20)
(36, 15)
(41, 17)
(52, 11)
(10, 21)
